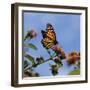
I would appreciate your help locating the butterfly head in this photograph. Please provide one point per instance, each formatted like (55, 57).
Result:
(48, 24)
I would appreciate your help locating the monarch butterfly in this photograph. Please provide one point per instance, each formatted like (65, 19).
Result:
(49, 37)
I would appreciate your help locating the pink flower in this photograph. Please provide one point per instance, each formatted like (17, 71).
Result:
(58, 50)
(30, 34)
(33, 33)
(63, 56)
(73, 57)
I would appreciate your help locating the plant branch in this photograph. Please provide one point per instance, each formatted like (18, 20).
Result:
(37, 64)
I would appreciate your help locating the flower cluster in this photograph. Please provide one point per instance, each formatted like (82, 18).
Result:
(59, 51)
(73, 57)
(31, 34)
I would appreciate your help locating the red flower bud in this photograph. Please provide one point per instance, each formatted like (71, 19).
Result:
(63, 56)
(56, 48)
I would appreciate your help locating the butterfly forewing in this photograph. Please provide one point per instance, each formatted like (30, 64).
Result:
(49, 37)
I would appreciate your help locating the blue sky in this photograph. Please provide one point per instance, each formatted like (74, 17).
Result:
(67, 28)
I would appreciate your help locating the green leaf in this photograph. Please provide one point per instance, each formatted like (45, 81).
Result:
(29, 73)
(54, 69)
(31, 46)
(75, 72)
(60, 65)
(25, 63)
(58, 62)
(40, 60)
(29, 57)
(28, 35)
(54, 72)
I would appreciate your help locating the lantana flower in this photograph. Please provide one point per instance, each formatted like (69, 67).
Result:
(73, 57)
(58, 50)
(62, 56)
(31, 34)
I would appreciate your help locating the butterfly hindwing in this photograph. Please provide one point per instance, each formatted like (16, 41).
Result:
(47, 43)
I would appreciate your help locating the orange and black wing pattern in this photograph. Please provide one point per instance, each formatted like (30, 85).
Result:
(49, 37)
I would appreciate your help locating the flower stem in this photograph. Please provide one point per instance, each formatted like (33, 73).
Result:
(51, 57)
(37, 64)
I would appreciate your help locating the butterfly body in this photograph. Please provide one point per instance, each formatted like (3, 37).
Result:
(49, 37)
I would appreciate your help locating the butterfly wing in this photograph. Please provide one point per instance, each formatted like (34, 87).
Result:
(47, 43)
(50, 32)
(43, 33)
(49, 37)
